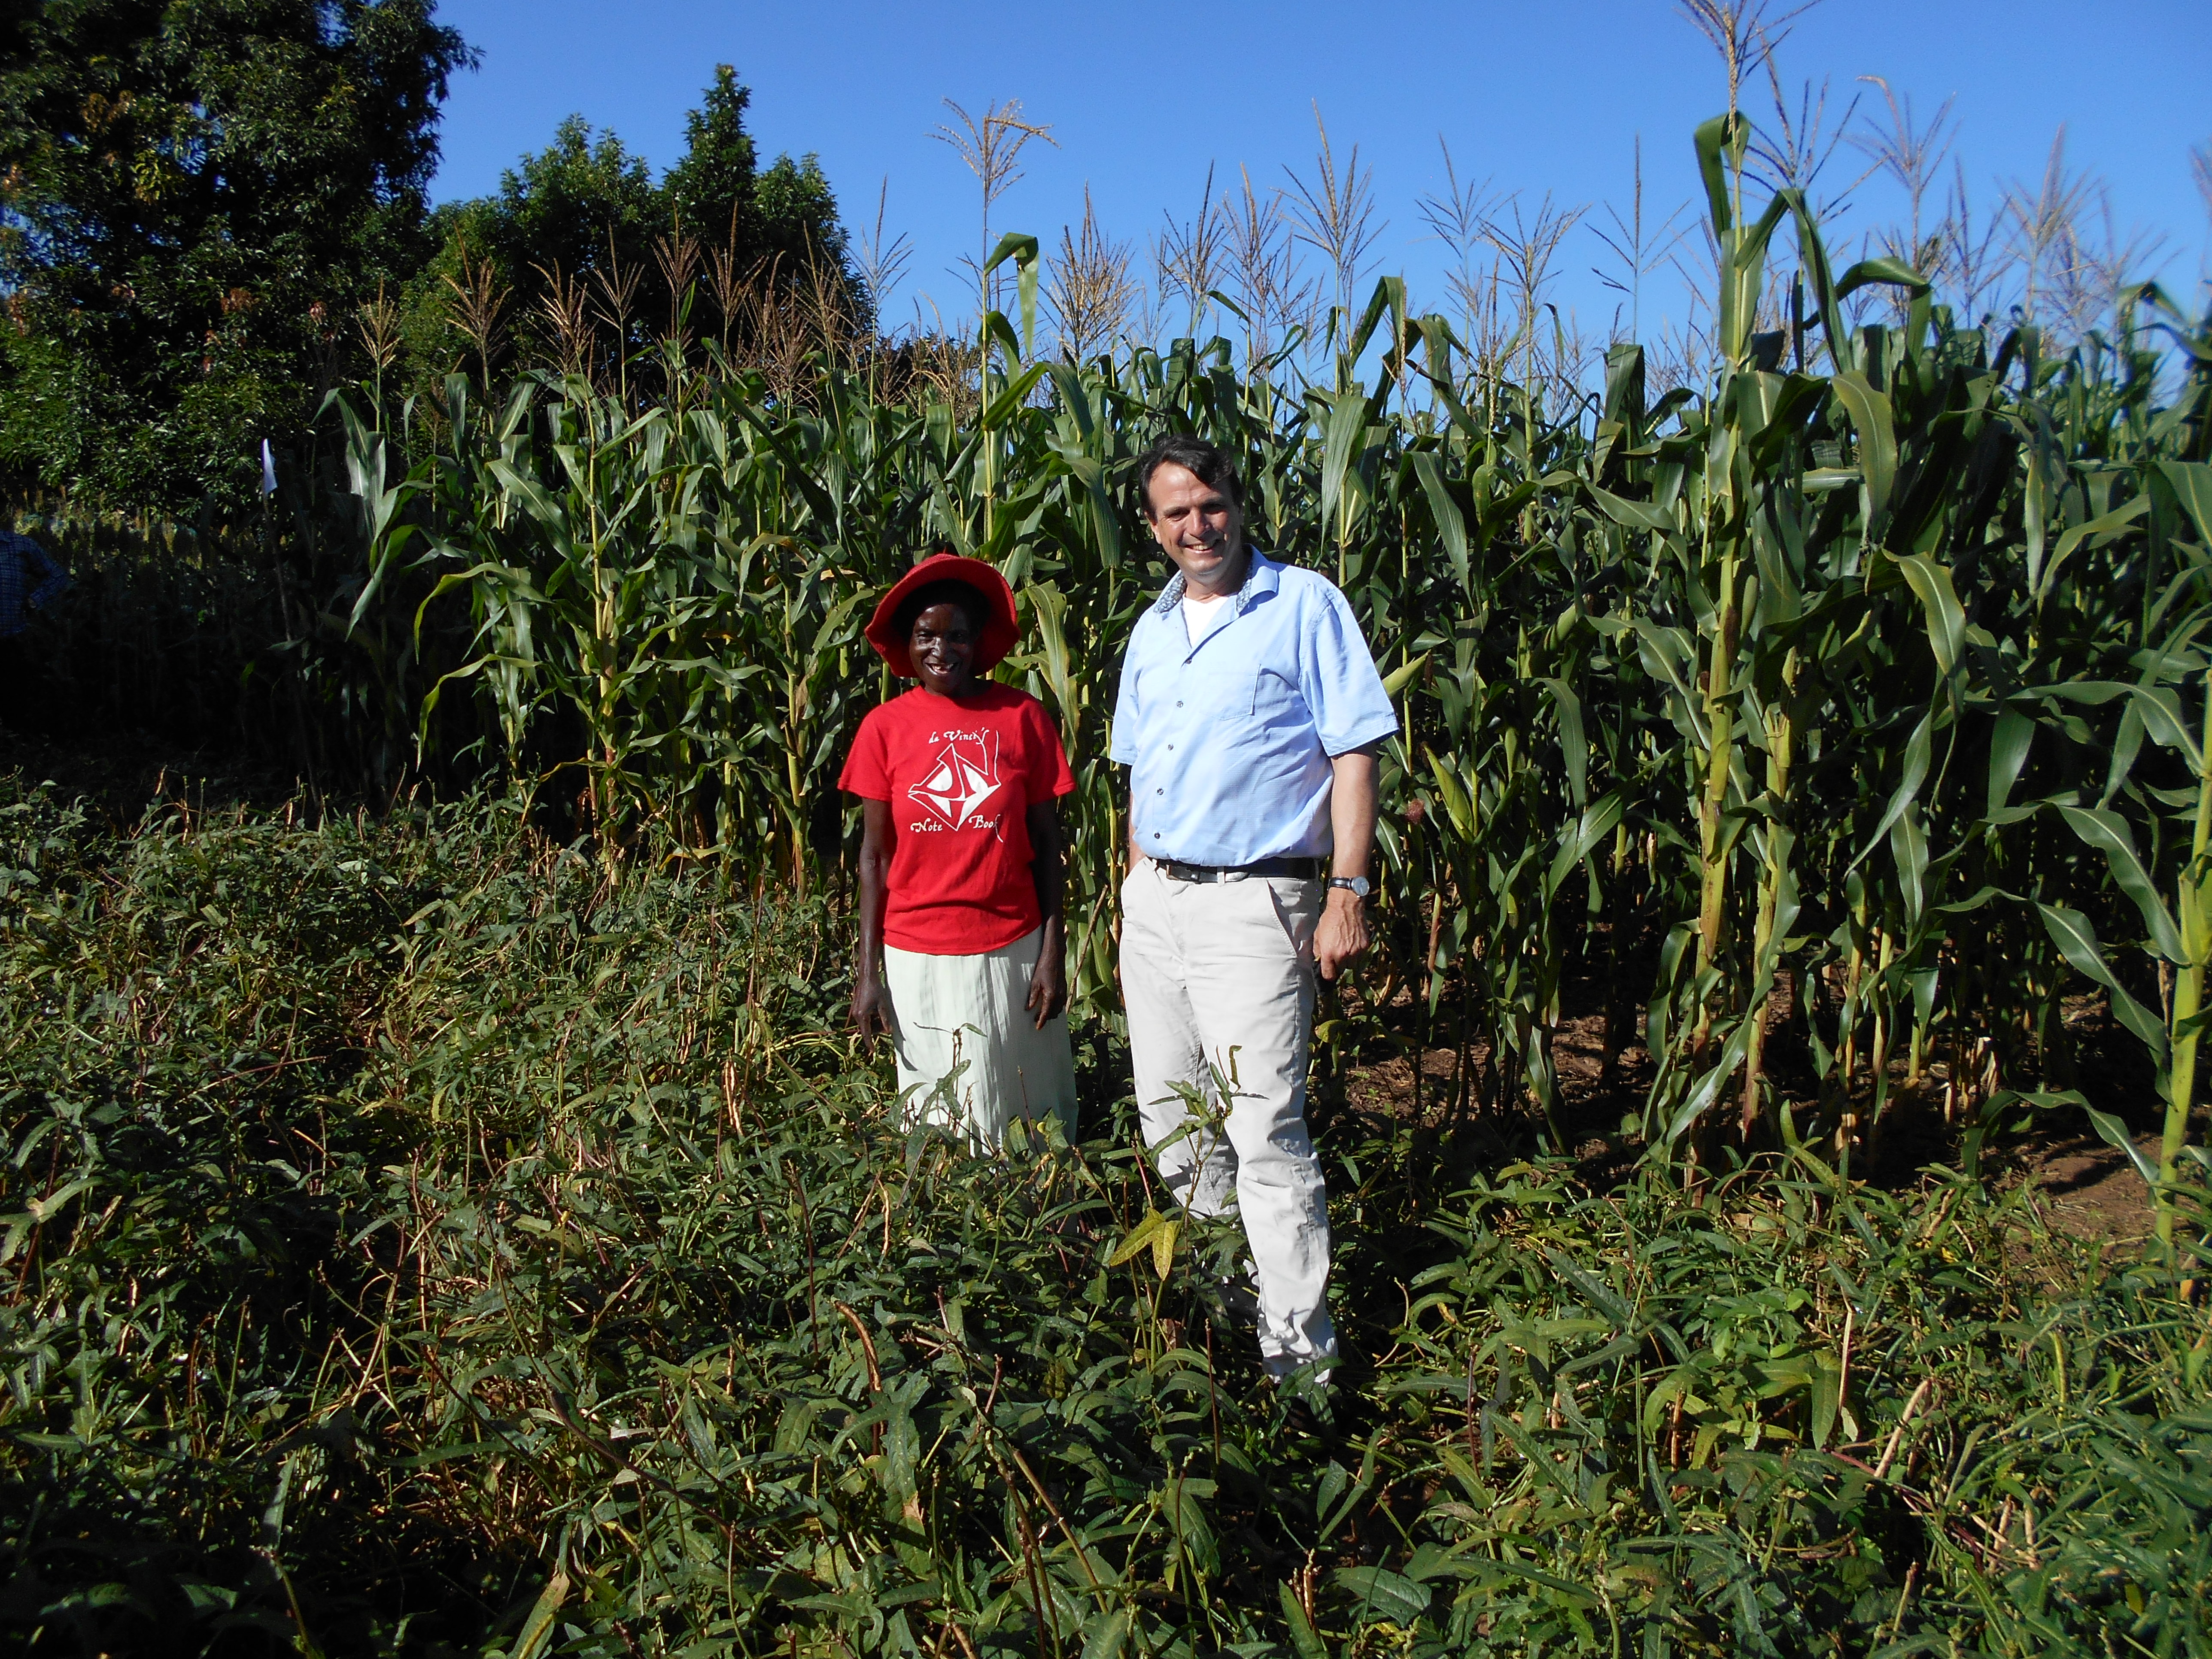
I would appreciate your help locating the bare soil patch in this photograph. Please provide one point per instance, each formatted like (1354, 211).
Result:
(2091, 1190)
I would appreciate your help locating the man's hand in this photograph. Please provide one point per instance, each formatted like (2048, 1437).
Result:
(1342, 932)
(871, 1011)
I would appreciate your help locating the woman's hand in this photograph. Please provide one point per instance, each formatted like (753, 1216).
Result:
(1048, 984)
(1048, 979)
(871, 1011)
(872, 1005)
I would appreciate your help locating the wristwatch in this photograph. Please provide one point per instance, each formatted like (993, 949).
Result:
(1355, 885)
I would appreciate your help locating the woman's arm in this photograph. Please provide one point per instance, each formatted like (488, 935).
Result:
(1049, 979)
(872, 1007)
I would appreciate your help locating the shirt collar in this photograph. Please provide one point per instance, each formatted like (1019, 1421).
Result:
(1263, 576)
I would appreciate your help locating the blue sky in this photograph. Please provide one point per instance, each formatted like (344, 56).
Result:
(1142, 97)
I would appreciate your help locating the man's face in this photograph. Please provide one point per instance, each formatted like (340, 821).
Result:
(1196, 526)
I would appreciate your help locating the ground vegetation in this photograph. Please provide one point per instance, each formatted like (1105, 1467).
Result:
(422, 1239)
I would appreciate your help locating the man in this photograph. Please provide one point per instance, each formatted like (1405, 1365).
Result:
(1249, 712)
(28, 578)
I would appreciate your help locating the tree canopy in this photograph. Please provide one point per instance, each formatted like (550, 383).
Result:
(713, 185)
(787, 213)
(195, 196)
(584, 209)
(199, 200)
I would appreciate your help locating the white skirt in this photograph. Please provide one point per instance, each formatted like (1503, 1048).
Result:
(971, 1056)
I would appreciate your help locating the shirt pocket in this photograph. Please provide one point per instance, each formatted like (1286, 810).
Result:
(1277, 701)
(1202, 693)
(1243, 694)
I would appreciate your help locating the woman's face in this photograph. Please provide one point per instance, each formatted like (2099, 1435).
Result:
(943, 648)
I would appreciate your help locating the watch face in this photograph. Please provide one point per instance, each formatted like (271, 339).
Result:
(1356, 885)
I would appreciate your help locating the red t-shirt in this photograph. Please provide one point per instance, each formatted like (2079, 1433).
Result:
(961, 775)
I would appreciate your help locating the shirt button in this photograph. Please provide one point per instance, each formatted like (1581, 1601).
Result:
(1178, 703)
(1159, 791)
(1156, 834)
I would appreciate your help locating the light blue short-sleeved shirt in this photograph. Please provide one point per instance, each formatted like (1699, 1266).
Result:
(1229, 741)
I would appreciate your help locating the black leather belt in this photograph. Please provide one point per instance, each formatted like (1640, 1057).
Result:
(1297, 869)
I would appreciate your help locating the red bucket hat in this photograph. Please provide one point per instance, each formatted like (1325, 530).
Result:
(1000, 629)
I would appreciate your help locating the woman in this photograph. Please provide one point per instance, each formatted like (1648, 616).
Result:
(961, 940)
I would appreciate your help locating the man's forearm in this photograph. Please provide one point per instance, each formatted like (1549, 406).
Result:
(1341, 932)
(1352, 812)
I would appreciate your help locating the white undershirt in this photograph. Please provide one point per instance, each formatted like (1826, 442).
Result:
(1201, 616)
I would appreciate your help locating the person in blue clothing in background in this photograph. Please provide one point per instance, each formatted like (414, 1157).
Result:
(1248, 713)
(28, 579)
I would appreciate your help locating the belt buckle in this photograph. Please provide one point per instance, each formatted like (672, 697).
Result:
(1195, 875)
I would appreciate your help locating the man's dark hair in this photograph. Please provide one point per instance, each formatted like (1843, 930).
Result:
(949, 592)
(1208, 463)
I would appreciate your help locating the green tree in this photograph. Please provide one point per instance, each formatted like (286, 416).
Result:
(713, 185)
(195, 196)
(796, 218)
(788, 212)
(579, 208)
(584, 211)
(565, 199)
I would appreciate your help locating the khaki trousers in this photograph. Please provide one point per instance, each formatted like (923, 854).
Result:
(1218, 982)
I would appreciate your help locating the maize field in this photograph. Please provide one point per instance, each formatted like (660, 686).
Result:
(1862, 689)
